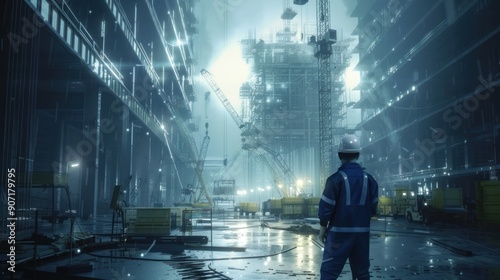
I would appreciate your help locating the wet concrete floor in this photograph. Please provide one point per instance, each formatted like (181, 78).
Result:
(399, 250)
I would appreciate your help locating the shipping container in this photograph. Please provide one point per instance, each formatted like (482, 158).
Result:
(147, 221)
(488, 203)
(292, 207)
(311, 207)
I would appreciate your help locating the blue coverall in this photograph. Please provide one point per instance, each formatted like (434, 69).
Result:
(349, 200)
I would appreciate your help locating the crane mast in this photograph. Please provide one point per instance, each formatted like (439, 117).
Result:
(200, 164)
(326, 37)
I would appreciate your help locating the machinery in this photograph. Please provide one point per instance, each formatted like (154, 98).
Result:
(201, 163)
(419, 211)
(444, 205)
(252, 141)
(401, 201)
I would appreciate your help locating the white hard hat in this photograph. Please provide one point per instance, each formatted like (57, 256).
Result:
(349, 144)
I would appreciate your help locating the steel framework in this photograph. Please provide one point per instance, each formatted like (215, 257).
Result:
(323, 53)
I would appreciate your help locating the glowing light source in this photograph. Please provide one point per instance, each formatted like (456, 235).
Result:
(351, 78)
(300, 182)
(231, 71)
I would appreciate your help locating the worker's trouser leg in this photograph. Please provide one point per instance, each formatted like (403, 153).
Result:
(359, 258)
(341, 246)
(337, 250)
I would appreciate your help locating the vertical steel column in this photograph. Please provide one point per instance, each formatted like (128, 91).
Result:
(97, 146)
(325, 99)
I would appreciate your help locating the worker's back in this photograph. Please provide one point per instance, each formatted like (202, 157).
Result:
(353, 192)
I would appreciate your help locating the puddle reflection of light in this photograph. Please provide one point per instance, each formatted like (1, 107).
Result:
(389, 268)
(310, 248)
(242, 238)
(300, 253)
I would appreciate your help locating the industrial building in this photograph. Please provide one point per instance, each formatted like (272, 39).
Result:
(105, 173)
(428, 93)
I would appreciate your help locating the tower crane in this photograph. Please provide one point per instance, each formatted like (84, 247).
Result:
(324, 40)
(326, 37)
(251, 141)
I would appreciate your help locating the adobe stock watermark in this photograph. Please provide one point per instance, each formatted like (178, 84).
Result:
(454, 117)
(380, 20)
(29, 29)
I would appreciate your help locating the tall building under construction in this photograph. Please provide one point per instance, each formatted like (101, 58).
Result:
(283, 101)
(109, 171)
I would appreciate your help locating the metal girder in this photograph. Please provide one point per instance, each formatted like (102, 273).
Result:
(200, 164)
(263, 155)
(213, 84)
(287, 172)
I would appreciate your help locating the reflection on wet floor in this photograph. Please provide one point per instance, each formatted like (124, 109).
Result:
(247, 248)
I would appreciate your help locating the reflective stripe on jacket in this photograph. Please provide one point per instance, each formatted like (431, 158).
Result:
(349, 200)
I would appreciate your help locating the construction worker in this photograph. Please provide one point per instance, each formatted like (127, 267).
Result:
(348, 202)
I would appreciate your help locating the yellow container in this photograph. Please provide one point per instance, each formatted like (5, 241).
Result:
(385, 200)
(298, 209)
(489, 191)
(312, 200)
(488, 202)
(292, 206)
(292, 210)
(384, 205)
(243, 204)
(202, 205)
(275, 203)
(491, 211)
(249, 207)
(401, 193)
(292, 200)
(148, 221)
(311, 210)
(446, 198)
(177, 215)
(490, 183)
(311, 207)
